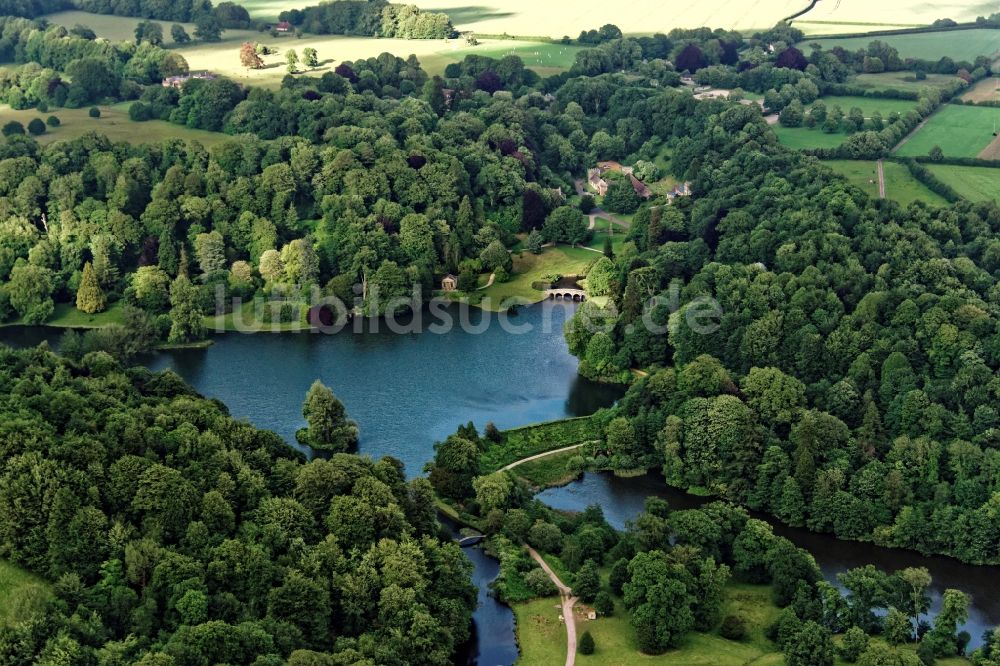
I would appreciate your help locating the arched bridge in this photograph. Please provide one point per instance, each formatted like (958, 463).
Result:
(465, 542)
(566, 294)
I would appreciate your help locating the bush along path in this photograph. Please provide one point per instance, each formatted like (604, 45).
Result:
(568, 602)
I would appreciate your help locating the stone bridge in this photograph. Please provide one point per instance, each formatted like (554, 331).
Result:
(566, 294)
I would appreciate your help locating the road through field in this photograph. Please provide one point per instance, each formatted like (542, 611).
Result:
(568, 602)
(881, 179)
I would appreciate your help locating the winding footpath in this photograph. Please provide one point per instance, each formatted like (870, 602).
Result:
(881, 179)
(568, 602)
(541, 455)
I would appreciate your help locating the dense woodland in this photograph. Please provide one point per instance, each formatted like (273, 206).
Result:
(176, 535)
(850, 386)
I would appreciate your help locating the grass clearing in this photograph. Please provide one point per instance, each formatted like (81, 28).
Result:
(901, 186)
(519, 443)
(114, 123)
(960, 131)
(543, 637)
(67, 316)
(861, 173)
(869, 105)
(804, 138)
(548, 471)
(972, 183)
(21, 594)
(957, 44)
(530, 269)
(905, 81)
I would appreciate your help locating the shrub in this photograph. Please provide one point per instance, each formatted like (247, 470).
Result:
(12, 128)
(855, 642)
(539, 582)
(604, 604)
(36, 126)
(587, 643)
(733, 628)
(94, 112)
(53, 121)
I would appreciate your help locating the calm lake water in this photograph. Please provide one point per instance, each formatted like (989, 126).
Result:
(622, 500)
(408, 391)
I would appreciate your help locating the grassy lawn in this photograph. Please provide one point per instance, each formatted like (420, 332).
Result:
(802, 138)
(530, 269)
(114, 123)
(21, 593)
(548, 471)
(960, 131)
(602, 228)
(901, 81)
(530, 440)
(67, 316)
(957, 44)
(869, 105)
(901, 186)
(973, 183)
(858, 172)
(250, 318)
(543, 637)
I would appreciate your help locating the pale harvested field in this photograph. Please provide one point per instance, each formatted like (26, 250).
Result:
(992, 151)
(987, 90)
(894, 12)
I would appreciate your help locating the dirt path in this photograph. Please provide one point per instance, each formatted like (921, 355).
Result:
(541, 455)
(568, 601)
(880, 168)
(489, 283)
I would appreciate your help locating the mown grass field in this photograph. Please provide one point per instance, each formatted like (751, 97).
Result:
(804, 138)
(957, 44)
(869, 105)
(861, 173)
(973, 183)
(21, 593)
(900, 185)
(960, 131)
(901, 81)
(114, 122)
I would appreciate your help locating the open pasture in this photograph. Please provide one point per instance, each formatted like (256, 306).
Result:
(956, 44)
(114, 122)
(972, 183)
(960, 131)
(869, 105)
(114, 28)
(902, 81)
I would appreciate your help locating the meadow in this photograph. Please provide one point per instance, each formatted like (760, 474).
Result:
(900, 185)
(902, 81)
(857, 15)
(804, 138)
(869, 105)
(957, 44)
(21, 594)
(972, 183)
(114, 122)
(960, 131)
(223, 57)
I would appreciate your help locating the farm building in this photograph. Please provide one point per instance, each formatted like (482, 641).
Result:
(640, 187)
(179, 81)
(283, 26)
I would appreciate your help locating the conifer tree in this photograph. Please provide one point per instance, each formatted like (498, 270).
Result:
(89, 297)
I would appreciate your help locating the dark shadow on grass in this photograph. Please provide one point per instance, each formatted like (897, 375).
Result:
(470, 14)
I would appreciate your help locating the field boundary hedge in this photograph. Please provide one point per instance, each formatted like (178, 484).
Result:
(928, 179)
(905, 31)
